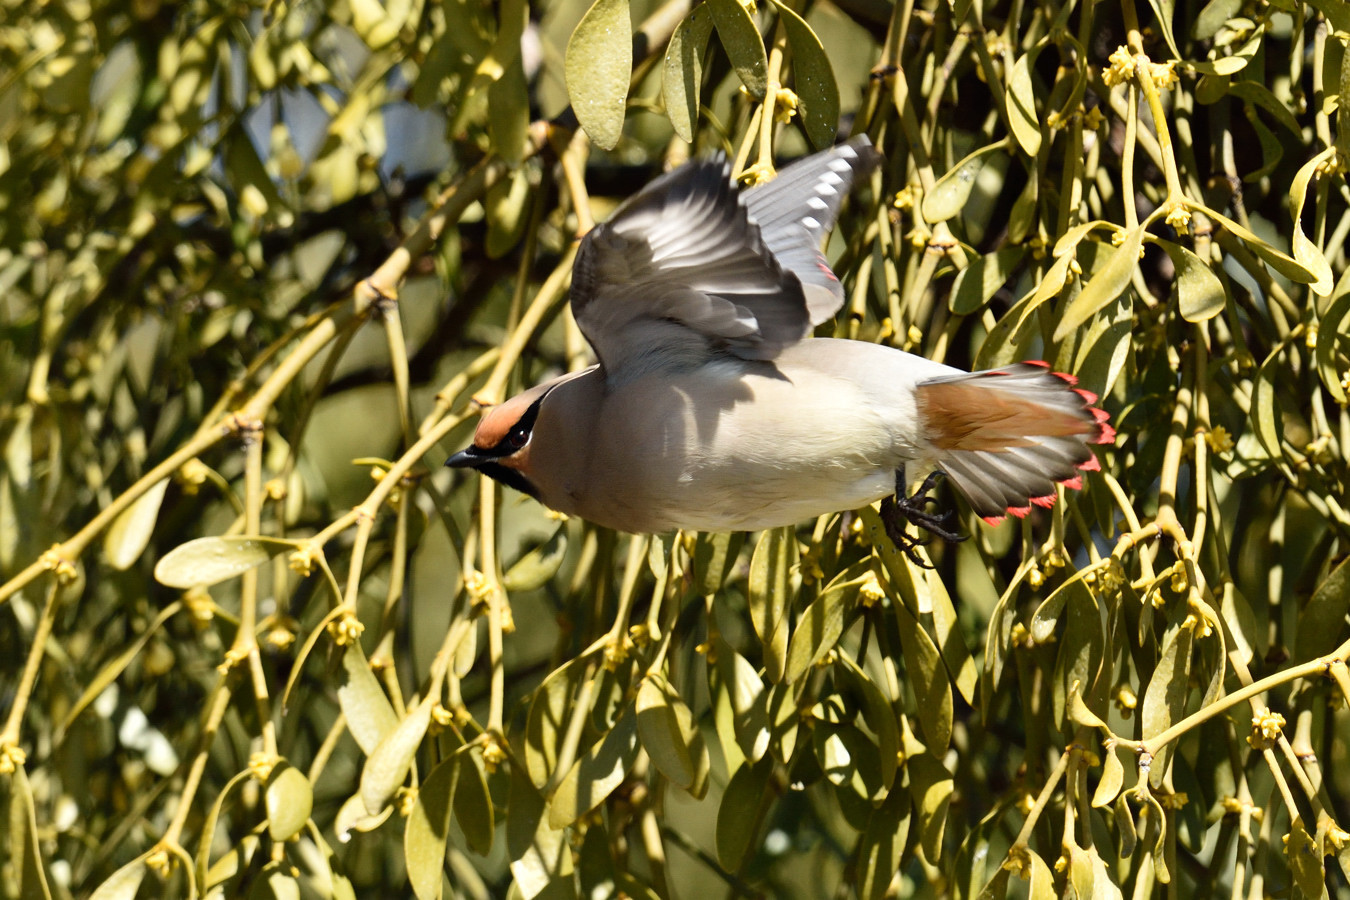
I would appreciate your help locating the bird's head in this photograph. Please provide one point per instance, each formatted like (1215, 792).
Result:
(501, 445)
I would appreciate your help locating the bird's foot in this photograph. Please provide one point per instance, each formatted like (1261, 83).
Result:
(897, 512)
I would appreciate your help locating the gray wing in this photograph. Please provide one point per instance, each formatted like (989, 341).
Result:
(692, 267)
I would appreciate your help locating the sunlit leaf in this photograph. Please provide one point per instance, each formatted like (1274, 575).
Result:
(1023, 119)
(1200, 293)
(129, 534)
(370, 715)
(950, 192)
(388, 765)
(977, 283)
(668, 733)
(772, 588)
(428, 827)
(211, 560)
(1105, 286)
(598, 67)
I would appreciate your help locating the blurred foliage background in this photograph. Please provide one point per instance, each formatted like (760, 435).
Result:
(261, 266)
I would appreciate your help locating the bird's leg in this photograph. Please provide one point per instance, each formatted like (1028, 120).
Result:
(899, 510)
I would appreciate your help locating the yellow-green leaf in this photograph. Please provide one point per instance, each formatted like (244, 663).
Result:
(211, 560)
(1321, 624)
(1105, 286)
(535, 568)
(1023, 119)
(473, 803)
(820, 625)
(928, 678)
(950, 193)
(1200, 293)
(427, 828)
(290, 799)
(881, 846)
(682, 76)
(772, 587)
(1113, 776)
(598, 68)
(122, 884)
(1281, 262)
(596, 774)
(813, 79)
(130, 532)
(24, 867)
(370, 715)
(745, 48)
(387, 767)
(668, 733)
(977, 283)
(1305, 251)
(930, 784)
(738, 816)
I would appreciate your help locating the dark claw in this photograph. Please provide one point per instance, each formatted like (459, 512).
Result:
(896, 512)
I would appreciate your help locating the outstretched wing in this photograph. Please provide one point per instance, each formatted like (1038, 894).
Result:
(693, 267)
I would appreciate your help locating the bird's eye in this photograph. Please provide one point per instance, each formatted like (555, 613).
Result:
(517, 438)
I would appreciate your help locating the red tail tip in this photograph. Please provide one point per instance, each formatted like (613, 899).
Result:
(1044, 502)
(1088, 397)
(1107, 435)
(1074, 484)
(1038, 363)
(993, 520)
(1019, 511)
(1092, 465)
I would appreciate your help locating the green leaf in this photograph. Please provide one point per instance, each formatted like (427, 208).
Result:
(533, 570)
(1113, 776)
(977, 283)
(879, 716)
(110, 672)
(1321, 624)
(1281, 262)
(1305, 251)
(745, 48)
(1105, 286)
(596, 774)
(682, 77)
(1333, 341)
(550, 712)
(1336, 12)
(1267, 422)
(1023, 120)
(928, 678)
(387, 768)
(122, 884)
(598, 68)
(813, 78)
(211, 560)
(427, 828)
(930, 785)
(129, 534)
(1163, 9)
(1200, 293)
(1125, 827)
(739, 816)
(352, 816)
(882, 845)
(507, 207)
(1305, 860)
(473, 802)
(714, 555)
(669, 734)
(772, 587)
(1081, 647)
(540, 855)
(290, 799)
(1165, 699)
(24, 868)
(370, 715)
(820, 625)
(950, 192)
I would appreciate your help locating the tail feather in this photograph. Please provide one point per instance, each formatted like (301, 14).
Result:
(1007, 437)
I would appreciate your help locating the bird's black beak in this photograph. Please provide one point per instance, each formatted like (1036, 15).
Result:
(469, 457)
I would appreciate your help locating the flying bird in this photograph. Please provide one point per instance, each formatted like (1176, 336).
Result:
(713, 409)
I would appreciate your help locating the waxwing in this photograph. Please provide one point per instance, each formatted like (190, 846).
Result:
(713, 409)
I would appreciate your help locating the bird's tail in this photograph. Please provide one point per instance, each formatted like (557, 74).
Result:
(1008, 436)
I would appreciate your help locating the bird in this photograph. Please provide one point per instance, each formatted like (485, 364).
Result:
(713, 408)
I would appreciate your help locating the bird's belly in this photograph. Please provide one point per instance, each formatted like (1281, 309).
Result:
(758, 453)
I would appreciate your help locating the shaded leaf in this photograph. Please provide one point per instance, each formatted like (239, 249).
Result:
(1321, 624)
(950, 192)
(427, 828)
(668, 733)
(928, 678)
(1165, 699)
(930, 784)
(682, 77)
(25, 864)
(882, 844)
(745, 48)
(822, 622)
(740, 814)
(977, 283)
(473, 803)
(813, 78)
(595, 775)
(535, 568)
